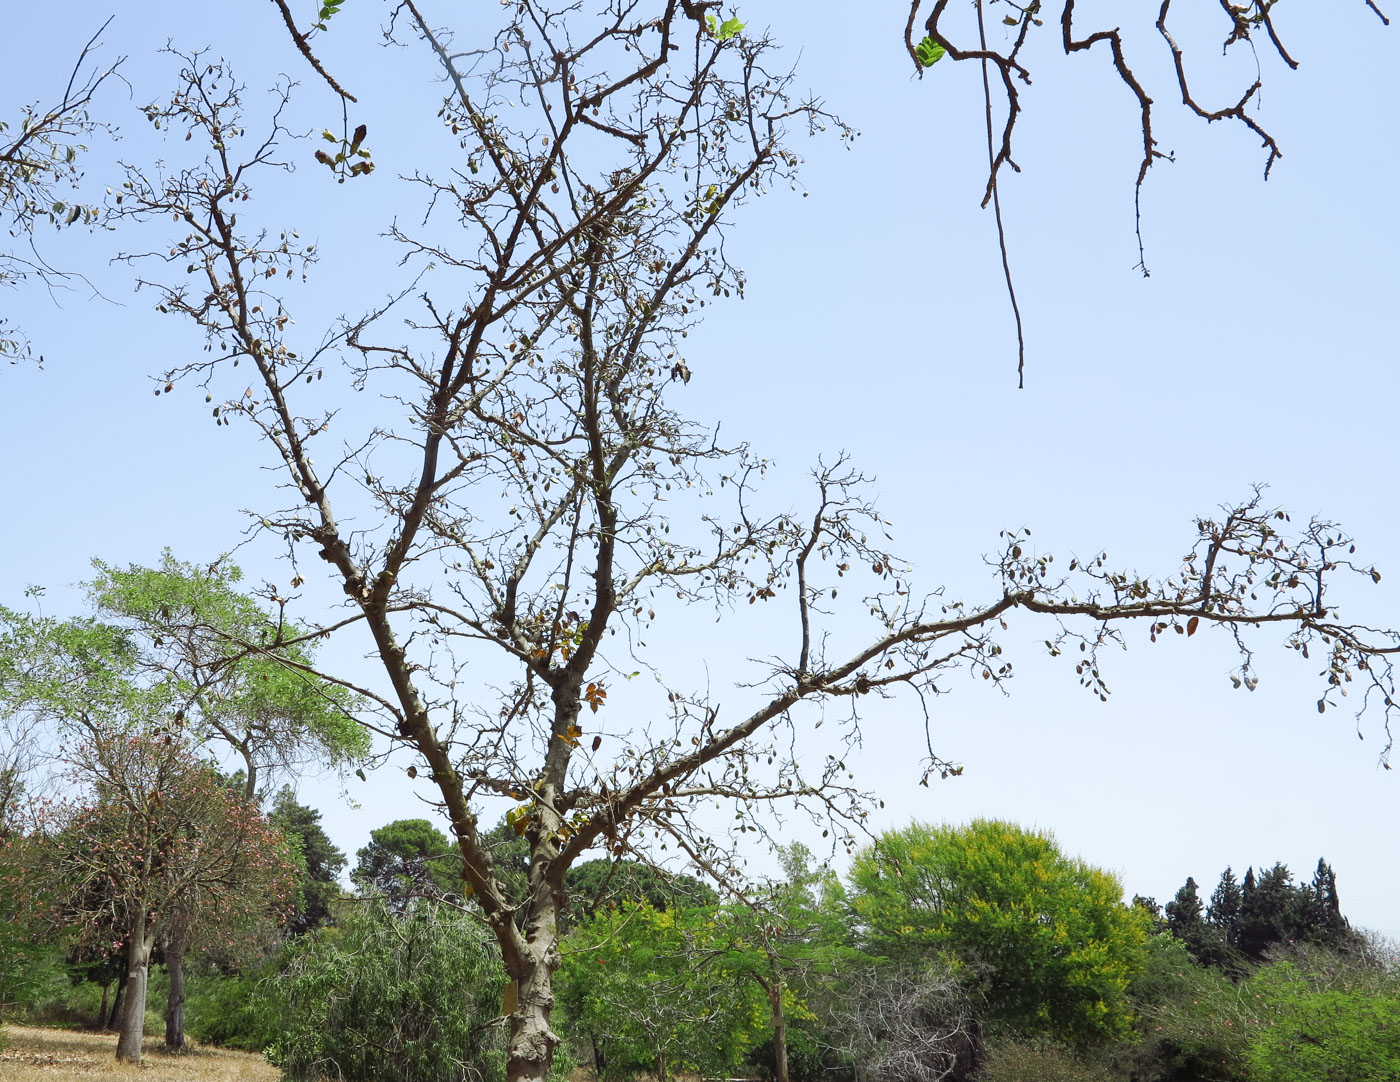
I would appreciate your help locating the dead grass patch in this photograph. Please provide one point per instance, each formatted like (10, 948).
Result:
(57, 1055)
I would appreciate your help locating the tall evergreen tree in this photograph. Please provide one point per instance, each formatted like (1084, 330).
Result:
(1326, 925)
(1269, 911)
(321, 861)
(1186, 921)
(1224, 910)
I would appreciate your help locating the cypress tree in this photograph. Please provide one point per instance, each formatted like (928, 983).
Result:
(1185, 921)
(1268, 911)
(1327, 925)
(1224, 910)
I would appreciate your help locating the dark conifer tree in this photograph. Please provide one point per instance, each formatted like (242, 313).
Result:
(1269, 911)
(1326, 925)
(1186, 921)
(1224, 910)
(322, 861)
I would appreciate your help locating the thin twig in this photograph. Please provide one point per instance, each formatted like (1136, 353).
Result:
(996, 208)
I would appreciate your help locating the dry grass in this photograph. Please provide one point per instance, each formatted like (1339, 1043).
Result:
(57, 1055)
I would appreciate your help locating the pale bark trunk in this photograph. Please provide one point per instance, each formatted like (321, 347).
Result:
(532, 1042)
(133, 1019)
(175, 1000)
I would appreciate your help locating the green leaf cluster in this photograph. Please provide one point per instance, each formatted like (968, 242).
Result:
(723, 31)
(929, 52)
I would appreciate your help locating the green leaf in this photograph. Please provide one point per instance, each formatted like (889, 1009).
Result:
(929, 52)
(723, 31)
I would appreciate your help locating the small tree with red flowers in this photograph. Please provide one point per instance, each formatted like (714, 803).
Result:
(157, 845)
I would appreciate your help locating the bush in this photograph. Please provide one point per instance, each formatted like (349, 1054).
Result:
(1204, 1030)
(233, 1011)
(389, 997)
(1039, 1061)
(1326, 1028)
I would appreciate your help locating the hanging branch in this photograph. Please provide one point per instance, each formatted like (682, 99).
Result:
(1244, 19)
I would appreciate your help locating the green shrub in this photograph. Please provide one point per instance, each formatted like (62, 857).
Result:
(390, 997)
(1333, 1028)
(1015, 1060)
(1204, 1030)
(232, 1011)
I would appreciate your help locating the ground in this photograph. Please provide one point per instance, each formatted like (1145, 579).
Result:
(57, 1055)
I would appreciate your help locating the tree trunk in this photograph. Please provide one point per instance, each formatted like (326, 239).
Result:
(133, 1019)
(101, 1023)
(175, 1000)
(532, 1042)
(118, 1004)
(780, 1059)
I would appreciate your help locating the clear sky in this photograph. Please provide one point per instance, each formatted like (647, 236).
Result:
(1262, 349)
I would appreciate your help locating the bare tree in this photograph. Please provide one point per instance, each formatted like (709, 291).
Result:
(530, 496)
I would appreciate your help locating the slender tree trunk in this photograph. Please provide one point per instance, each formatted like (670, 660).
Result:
(133, 1019)
(175, 999)
(101, 1023)
(118, 1003)
(780, 1059)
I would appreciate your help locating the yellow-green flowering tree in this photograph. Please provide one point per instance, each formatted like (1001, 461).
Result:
(1044, 939)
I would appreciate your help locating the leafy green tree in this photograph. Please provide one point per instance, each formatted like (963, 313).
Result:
(237, 673)
(657, 991)
(320, 861)
(598, 884)
(406, 859)
(391, 996)
(789, 936)
(180, 653)
(1043, 938)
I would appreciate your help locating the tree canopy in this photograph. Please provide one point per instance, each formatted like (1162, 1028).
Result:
(1045, 938)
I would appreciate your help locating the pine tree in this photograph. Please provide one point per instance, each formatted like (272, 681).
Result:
(1185, 920)
(1326, 924)
(1268, 911)
(1224, 910)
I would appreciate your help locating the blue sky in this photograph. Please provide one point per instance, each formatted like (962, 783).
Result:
(1262, 349)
